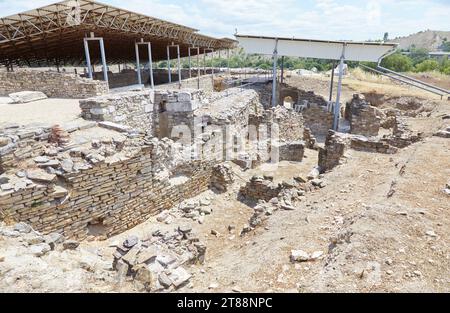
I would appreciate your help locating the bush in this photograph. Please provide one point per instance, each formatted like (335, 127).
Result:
(427, 66)
(398, 62)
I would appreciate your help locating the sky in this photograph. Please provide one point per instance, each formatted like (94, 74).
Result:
(315, 19)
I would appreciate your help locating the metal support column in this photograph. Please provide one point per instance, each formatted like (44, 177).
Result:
(150, 65)
(102, 54)
(88, 58)
(150, 62)
(105, 68)
(189, 62)
(198, 68)
(179, 66)
(332, 81)
(338, 96)
(274, 74)
(138, 65)
(168, 64)
(228, 61)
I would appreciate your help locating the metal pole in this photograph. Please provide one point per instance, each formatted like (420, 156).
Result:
(150, 65)
(88, 58)
(198, 67)
(189, 58)
(332, 81)
(274, 83)
(105, 69)
(204, 61)
(138, 65)
(212, 64)
(168, 64)
(179, 66)
(282, 69)
(338, 96)
(228, 61)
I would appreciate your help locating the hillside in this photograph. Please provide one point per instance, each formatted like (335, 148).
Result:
(429, 39)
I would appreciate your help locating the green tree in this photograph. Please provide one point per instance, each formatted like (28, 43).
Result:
(445, 45)
(418, 55)
(398, 62)
(427, 65)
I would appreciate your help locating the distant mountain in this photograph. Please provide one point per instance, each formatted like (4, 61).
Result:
(429, 39)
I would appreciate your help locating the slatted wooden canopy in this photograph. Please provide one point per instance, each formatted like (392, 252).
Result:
(54, 34)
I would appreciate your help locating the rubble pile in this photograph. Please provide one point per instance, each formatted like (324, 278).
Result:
(309, 139)
(37, 244)
(222, 177)
(402, 136)
(158, 262)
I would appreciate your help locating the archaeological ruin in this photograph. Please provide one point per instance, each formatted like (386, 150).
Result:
(156, 165)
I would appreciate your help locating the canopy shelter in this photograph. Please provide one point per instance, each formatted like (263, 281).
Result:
(53, 35)
(320, 49)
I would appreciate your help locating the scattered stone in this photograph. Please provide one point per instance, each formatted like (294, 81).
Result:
(299, 256)
(213, 286)
(144, 275)
(147, 255)
(27, 96)
(164, 280)
(23, 228)
(316, 254)
(40, 249)
(53, 239)
(431, 233)
(9, 233)
(236, 289)
(6, 187)
(166, 259)
(4, 180)
(41, 159)
(131, 242)
(179, 276)
(185, 229)
(40, 176)
(67, 165)
(70, 244)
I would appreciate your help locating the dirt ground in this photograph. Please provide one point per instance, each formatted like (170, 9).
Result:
(45, 112)
(370, 242)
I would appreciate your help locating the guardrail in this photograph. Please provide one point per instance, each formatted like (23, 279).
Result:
(409, 81)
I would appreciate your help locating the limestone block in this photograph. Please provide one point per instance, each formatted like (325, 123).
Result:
(27, 96)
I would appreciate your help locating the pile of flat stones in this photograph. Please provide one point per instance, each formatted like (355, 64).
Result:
(37, 244)
(195, 209)
(157, 263)
(285, 201)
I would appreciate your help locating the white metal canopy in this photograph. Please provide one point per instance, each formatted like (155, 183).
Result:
(320, 49)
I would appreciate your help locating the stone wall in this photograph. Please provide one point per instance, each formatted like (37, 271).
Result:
(206, 83)
(362, 143)
(18, 144)
(81, 188)
(298, 96)
(292, 151)
(260, 188)
(331, 153)
(318, 119)
(53, 84)
(134, 109)
(364, 119)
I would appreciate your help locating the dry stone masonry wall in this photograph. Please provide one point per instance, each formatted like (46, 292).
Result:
(53, 84)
